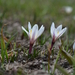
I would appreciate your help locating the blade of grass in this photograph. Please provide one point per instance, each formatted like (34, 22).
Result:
(11, 39)
(2, 45)
(67, 56)
(62, 70)
(2, 49)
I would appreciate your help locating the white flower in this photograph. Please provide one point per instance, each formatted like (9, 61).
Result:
(74, 47)
(57, 32)
(68, 9)
(33, 32)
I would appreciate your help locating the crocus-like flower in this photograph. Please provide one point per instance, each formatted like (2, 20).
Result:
(56, 33)
(33, 33)
(74, 47)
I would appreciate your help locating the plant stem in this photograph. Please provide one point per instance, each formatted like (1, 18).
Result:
(49, 53)
(49, 62)
(56, 61)
(30, 48)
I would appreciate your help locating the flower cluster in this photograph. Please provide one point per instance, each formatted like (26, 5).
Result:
(34, 33)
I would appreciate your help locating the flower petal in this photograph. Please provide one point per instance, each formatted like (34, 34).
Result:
(56, 33)
(61, 32)
(29, 26)
(59, 28)
(25, 30)
(34, 30)
(74, 46)
(41, 30)
(52, 29)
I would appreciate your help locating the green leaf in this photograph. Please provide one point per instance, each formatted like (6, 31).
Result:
(67, 56)
(2, 48)
(62, 70)
(8, 44)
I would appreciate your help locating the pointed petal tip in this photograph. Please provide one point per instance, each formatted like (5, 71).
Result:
(36, 25)
(60, 25)
(52, 22)
(53, 25)
(74, 46)
(65, 28)
(42, 26)
(29, 26)
(22, 27)
(28, 22)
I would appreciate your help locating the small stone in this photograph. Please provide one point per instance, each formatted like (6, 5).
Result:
(24, 62)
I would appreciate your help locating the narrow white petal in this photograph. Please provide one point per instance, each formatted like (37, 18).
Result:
(24, 29)
(35, 27)
(74, 46)
(29, 26)
(52, 29)
(41, 30)
(34, 30)
(56, 33)
(59, 28)
(61, 32)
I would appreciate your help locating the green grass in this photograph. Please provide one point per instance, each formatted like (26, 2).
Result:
(38, 11)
